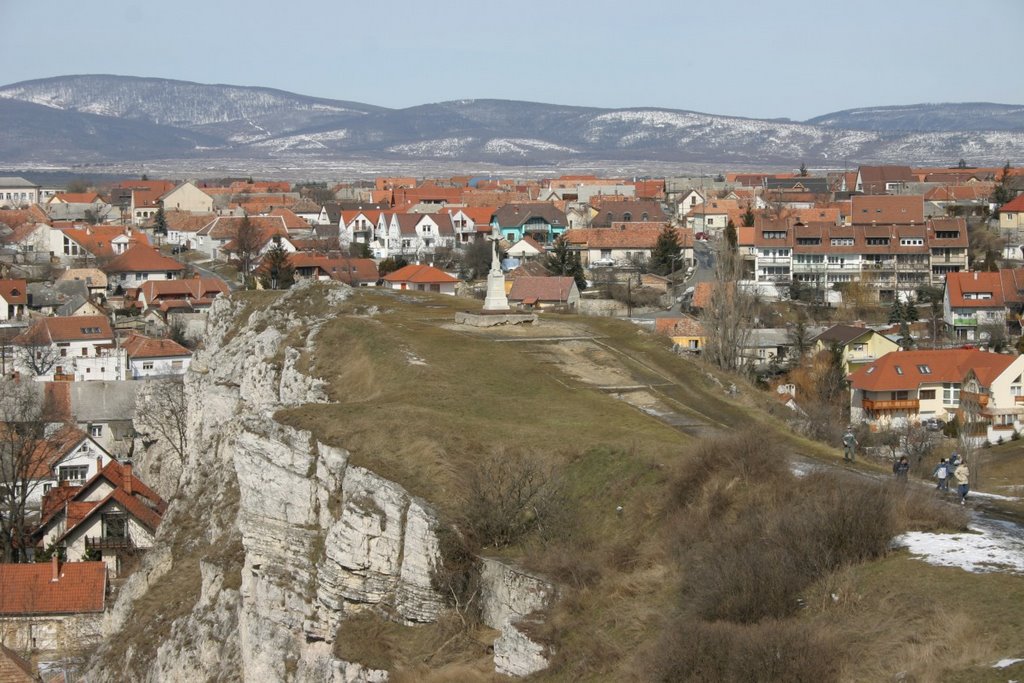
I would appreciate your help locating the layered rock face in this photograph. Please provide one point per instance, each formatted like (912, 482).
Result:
(274, 538)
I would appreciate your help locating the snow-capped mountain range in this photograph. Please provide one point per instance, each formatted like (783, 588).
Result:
(102, 119)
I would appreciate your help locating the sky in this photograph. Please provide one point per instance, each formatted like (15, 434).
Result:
(739, 58)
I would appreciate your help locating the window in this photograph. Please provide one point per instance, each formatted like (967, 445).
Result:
(950, 394)
(842, 241)
(924, 369)
(115, 525)
(911, 242)
(926, 394)
(96, 430)
(72, 472)
(898, 369)
(177, 364)
(900, 395)
(147, 365)
(878, 241)
(858, 348)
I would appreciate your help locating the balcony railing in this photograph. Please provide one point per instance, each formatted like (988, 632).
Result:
(969, 396)
(965, 322)
(905, 404)
(109, 543)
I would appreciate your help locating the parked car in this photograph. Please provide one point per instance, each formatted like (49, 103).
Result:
(934, 424)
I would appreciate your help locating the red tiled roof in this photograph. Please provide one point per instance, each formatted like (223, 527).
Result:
(1015, 204)
(702, 295)
(96, 239)
(291, 221)
(541, 288)
(67, 329)
(16, 669)
(15, 218)
(140, 346)
(77, 197)
(889, 209)
(420, 274)
(901, 370)
(28, 589)
(143, 259)
(337, 268)
(192, 288)
(685, 326)
(14, 291)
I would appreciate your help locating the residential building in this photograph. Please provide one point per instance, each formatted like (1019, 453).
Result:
(544, 292)
(421, 279)
(975, 301)
(148, 357)
(687, 333)
(197, 291)
(983, 390)
(112, 515)
(358, 272)
(139, 264)
(412, 234)
(858, 345)
(13, 299)
(186, 197)
(626, 244)
(883, 179)
(52, 607)
(542, 221)
(629, 211)
(69, 348)
(17, 192)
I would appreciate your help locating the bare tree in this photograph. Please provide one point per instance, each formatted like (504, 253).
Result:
(728, 318)
(248, 238)
(23, 467)
(35, 352)
(166, 417)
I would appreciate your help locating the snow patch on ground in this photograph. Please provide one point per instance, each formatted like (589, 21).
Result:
(1003, 663)
(989, 546)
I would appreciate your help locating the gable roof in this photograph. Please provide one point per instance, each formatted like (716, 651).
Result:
(14, 292)
(226, 227)
(341, 268)
(14, 668)
(1015, 204)
(516, 214)
(143, 258)
(97, 239)
(29, 589)
(66, 329)
(685, 326)
(193, 288)
(541, 288)
(842, 334)
(141, 346)
(905, 370)
(420, 274)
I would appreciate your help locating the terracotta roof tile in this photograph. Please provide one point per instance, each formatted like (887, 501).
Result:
(29, 589)
(541, 288)
(420, 274)
(901, 370)
(14, 291)
(16, 669)
(143, 259)
(66, 329)
(140, 346)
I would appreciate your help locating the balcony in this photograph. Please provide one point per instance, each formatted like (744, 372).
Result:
(965, 322)
(971, 397)
(109, 543)
(906, 404)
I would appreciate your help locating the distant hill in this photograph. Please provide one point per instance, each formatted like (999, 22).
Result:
(929, 118)
(96, 119)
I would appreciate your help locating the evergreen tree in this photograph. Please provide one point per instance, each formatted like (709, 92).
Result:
(748, 217)
(666, 251)
(803, 170)
(160, 222)
(563, 261)
(730, 235)
(895, 311)
(277, 271)
(1001, 193)
(910, 314)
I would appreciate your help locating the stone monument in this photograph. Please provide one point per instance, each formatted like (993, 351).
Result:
(496, 301)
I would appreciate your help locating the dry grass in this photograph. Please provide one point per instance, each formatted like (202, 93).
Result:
(653, 520)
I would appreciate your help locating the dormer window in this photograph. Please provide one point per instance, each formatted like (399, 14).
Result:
(898, 369)
(924, 369)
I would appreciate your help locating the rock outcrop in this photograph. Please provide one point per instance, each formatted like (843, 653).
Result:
(275, 538)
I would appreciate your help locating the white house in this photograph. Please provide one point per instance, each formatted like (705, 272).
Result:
(17, 192)
(410, 234)
(421, 279)
(148, 357)
(76, 348)
(140, 264)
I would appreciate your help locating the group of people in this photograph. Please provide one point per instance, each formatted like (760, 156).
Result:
(958, 470)
(953, 467)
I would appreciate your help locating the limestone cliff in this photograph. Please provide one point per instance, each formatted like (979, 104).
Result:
(275, 538)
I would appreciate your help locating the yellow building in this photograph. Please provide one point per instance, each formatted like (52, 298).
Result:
(860, 345)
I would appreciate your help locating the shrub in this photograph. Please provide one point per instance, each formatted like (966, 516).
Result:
(768, 651)
(509, 495)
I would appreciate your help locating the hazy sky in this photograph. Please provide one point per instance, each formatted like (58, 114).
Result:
(743, 58)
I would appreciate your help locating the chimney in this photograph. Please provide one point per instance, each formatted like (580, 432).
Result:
(126, 471)
(55, 566)
(975, 275)
(99, 463)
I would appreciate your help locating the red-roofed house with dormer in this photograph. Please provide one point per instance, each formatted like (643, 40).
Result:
(110, 517)
(72, 348)
(916, 385)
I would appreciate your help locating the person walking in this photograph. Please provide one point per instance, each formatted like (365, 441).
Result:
(849, 444)
(941, 473)
(900, 468)
(963, 476)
